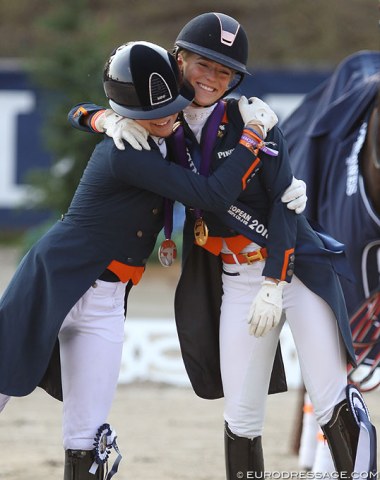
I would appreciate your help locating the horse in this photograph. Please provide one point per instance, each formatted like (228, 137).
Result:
(334, 145)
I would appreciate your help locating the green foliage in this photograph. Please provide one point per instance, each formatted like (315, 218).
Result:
(282, 33)
(68, 69)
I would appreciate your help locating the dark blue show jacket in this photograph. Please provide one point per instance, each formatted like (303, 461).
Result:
(116, 214)
(198, 295)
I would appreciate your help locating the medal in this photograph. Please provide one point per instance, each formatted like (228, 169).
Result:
(200, 231)
(199, 157)
(167, 253)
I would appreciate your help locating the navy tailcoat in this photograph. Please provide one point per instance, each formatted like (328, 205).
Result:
(116, 214)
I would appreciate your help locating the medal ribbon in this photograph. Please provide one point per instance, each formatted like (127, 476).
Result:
(209, 136)
(168, 223)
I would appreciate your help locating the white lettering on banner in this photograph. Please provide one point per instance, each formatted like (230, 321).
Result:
(13, 103)
(152, 353)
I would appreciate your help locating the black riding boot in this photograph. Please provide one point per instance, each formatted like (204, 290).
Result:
(342, 433)
(243, 455)
(78, 464)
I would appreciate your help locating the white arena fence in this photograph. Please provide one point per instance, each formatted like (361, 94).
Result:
(152, 354)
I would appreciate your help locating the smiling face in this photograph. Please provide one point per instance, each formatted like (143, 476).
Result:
(209, 79)
(159, 127)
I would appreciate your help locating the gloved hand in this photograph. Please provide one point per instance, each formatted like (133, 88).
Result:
(120, 128)
(295, 196)
(266, 309)
(255, 112)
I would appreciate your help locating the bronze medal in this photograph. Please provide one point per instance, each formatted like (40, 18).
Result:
(167, 252)
(200, 231)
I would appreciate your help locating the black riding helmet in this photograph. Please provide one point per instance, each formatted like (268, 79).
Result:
(142, 81)
(218, 37)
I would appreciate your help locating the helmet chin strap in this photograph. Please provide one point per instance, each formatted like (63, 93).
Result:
(241, 75)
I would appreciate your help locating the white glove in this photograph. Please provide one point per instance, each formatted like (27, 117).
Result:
(256, 112)
(266, 309)
(295, 196)
(120, 128)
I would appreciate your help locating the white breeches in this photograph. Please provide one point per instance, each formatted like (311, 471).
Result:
(246, 361)
(91, 342)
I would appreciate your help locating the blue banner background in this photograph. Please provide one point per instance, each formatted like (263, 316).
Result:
(22, 146)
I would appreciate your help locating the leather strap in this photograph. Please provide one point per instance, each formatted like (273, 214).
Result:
(248, 257)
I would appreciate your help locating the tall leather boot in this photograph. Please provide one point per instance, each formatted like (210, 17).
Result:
(342, 434)
(243, 455)
(78, 464)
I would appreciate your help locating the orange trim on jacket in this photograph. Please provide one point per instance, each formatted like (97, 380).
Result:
(249, 171)
(286, 263)
(126, 272)
(225, 117)
(80, 110)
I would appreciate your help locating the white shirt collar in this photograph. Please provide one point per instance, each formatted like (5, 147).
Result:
(196, 118)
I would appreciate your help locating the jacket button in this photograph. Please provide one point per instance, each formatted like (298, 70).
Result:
(139, 233)
(155, 211)
(289, 273)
